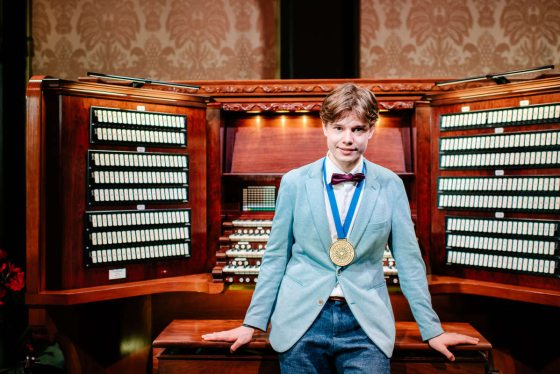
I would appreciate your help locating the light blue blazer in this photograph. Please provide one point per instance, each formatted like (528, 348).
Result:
(297, 276)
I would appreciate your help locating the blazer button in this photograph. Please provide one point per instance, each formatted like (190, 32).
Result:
(320, 302)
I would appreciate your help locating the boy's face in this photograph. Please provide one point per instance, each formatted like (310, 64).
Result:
(347, 140)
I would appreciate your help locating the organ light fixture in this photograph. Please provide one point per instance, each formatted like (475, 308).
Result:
(139, 82)
(499, 78)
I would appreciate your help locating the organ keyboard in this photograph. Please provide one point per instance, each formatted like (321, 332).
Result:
(390, 271)
(241, 250)
(244, 245)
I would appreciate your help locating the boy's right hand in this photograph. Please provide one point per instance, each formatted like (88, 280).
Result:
(239, 336)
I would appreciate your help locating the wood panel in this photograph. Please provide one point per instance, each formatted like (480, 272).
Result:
(270, 144)
(184, 349)
(271, 127)
(505, 96)
(58, 128)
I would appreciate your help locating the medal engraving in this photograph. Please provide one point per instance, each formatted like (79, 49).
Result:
(341, 252)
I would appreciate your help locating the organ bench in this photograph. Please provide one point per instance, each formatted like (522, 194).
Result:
(179, 348)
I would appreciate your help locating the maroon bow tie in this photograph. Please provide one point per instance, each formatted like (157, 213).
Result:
(340, 178)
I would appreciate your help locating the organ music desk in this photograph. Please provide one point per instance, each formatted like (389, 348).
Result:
(180, 349)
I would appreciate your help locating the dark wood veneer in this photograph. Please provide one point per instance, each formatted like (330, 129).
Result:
(230, 148)
(539, 91)
(58, 139)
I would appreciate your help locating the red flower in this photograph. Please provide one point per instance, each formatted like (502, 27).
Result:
(12, 279)
(15, 281)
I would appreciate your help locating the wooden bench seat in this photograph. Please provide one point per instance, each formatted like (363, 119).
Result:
(180, 349)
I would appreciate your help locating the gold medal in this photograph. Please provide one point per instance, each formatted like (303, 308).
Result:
(341, 252)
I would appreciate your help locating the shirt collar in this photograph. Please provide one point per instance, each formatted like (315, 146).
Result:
(330, 167)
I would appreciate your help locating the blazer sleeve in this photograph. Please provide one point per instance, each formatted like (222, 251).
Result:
(411, 267)
(276, 257)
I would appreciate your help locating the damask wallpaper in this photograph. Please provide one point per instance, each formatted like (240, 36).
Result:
(457, 38)
(159, 39)
(237, 39)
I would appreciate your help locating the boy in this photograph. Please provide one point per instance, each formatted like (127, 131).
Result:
(321, 283)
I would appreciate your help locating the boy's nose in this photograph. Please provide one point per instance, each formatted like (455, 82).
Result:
(348, 138)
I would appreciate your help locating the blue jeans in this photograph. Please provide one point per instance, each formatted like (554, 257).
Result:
(335, 342)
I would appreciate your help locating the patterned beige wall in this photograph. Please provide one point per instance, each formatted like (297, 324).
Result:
(159, 39)
(236, 39)
(457, 38)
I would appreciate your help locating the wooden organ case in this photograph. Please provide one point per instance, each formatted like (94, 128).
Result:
(269, 128)
(116, 190)
(219, 171)
(495, 189)
(480, 165)
(260, 130)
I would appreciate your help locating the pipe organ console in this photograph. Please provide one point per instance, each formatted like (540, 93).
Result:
(137, 191)
(241, 252)
(116, 186)
(496, 184)
(259, 145)
(137, 184)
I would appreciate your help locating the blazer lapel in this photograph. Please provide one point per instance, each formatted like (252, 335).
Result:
(316, 198)
(367, 205)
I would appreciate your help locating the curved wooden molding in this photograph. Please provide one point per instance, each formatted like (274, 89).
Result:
(309, 86)
(264, 88)
(447, 285)
(396, 105)
(187, 283)
(297, 86)
(300, 107)
(271, 107)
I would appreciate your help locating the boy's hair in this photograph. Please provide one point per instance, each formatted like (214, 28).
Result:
(350, 99)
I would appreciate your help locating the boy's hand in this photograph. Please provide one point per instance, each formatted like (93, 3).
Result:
(441, 342)
(239, 336)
